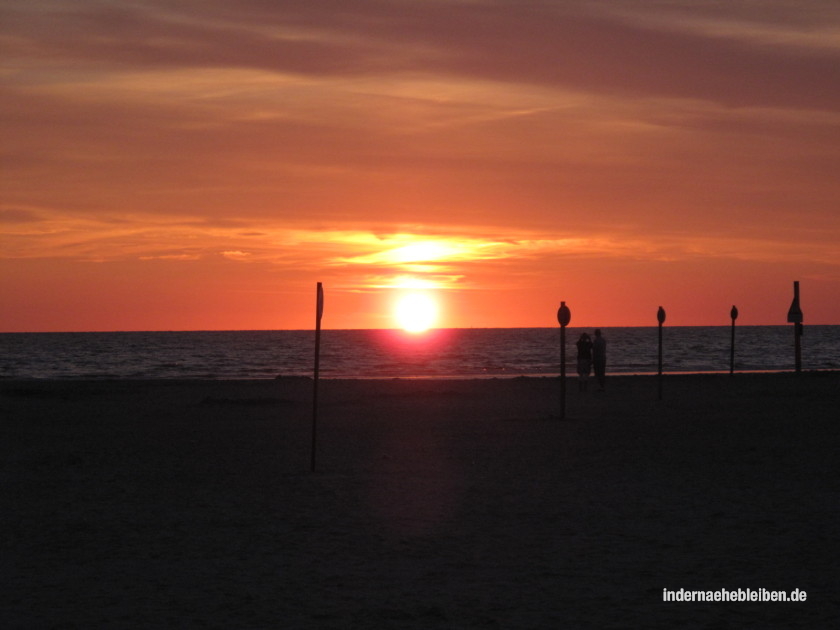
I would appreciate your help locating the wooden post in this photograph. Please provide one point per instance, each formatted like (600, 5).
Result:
(795, 317)
(734, 315)
(564, 316)
(660, 316)
(319, 311)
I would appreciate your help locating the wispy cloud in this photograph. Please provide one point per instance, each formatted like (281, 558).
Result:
(369, 259)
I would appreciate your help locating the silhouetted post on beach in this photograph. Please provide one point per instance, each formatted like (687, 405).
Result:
(660, 316)
(564, 316)
(319, 312)
(734, 315)
(795, 317)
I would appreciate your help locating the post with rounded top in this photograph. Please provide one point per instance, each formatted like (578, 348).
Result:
(564, 316)
(660, 316)
(319, 312)
(795, 317)
(734, 315)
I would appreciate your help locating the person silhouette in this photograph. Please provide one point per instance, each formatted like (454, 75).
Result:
(599, 359)
(584, 361)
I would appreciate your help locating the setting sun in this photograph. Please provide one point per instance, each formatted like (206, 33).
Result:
(416, 312)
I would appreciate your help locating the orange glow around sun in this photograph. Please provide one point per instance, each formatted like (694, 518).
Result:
(426, 176)
(416, 312)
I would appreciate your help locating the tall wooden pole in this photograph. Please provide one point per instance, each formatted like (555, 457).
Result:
(564, 316)
(734, 315)
(795, 317)
(319, 311)
(660, 316)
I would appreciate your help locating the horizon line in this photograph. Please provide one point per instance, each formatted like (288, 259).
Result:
(390, 329)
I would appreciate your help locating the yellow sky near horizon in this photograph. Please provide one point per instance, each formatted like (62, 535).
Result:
(184, 165)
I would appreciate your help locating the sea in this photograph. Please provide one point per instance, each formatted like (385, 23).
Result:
(441, 353)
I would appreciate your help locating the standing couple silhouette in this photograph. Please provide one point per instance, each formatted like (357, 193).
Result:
(591, 355)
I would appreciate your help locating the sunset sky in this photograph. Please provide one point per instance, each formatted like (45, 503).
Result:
(201, 164)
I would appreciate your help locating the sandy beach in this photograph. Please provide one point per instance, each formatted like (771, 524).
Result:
(435, 503)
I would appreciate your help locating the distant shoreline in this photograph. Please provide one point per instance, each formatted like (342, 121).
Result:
(327, 329)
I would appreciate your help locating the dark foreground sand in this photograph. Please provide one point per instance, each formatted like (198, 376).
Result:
(436, 504)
